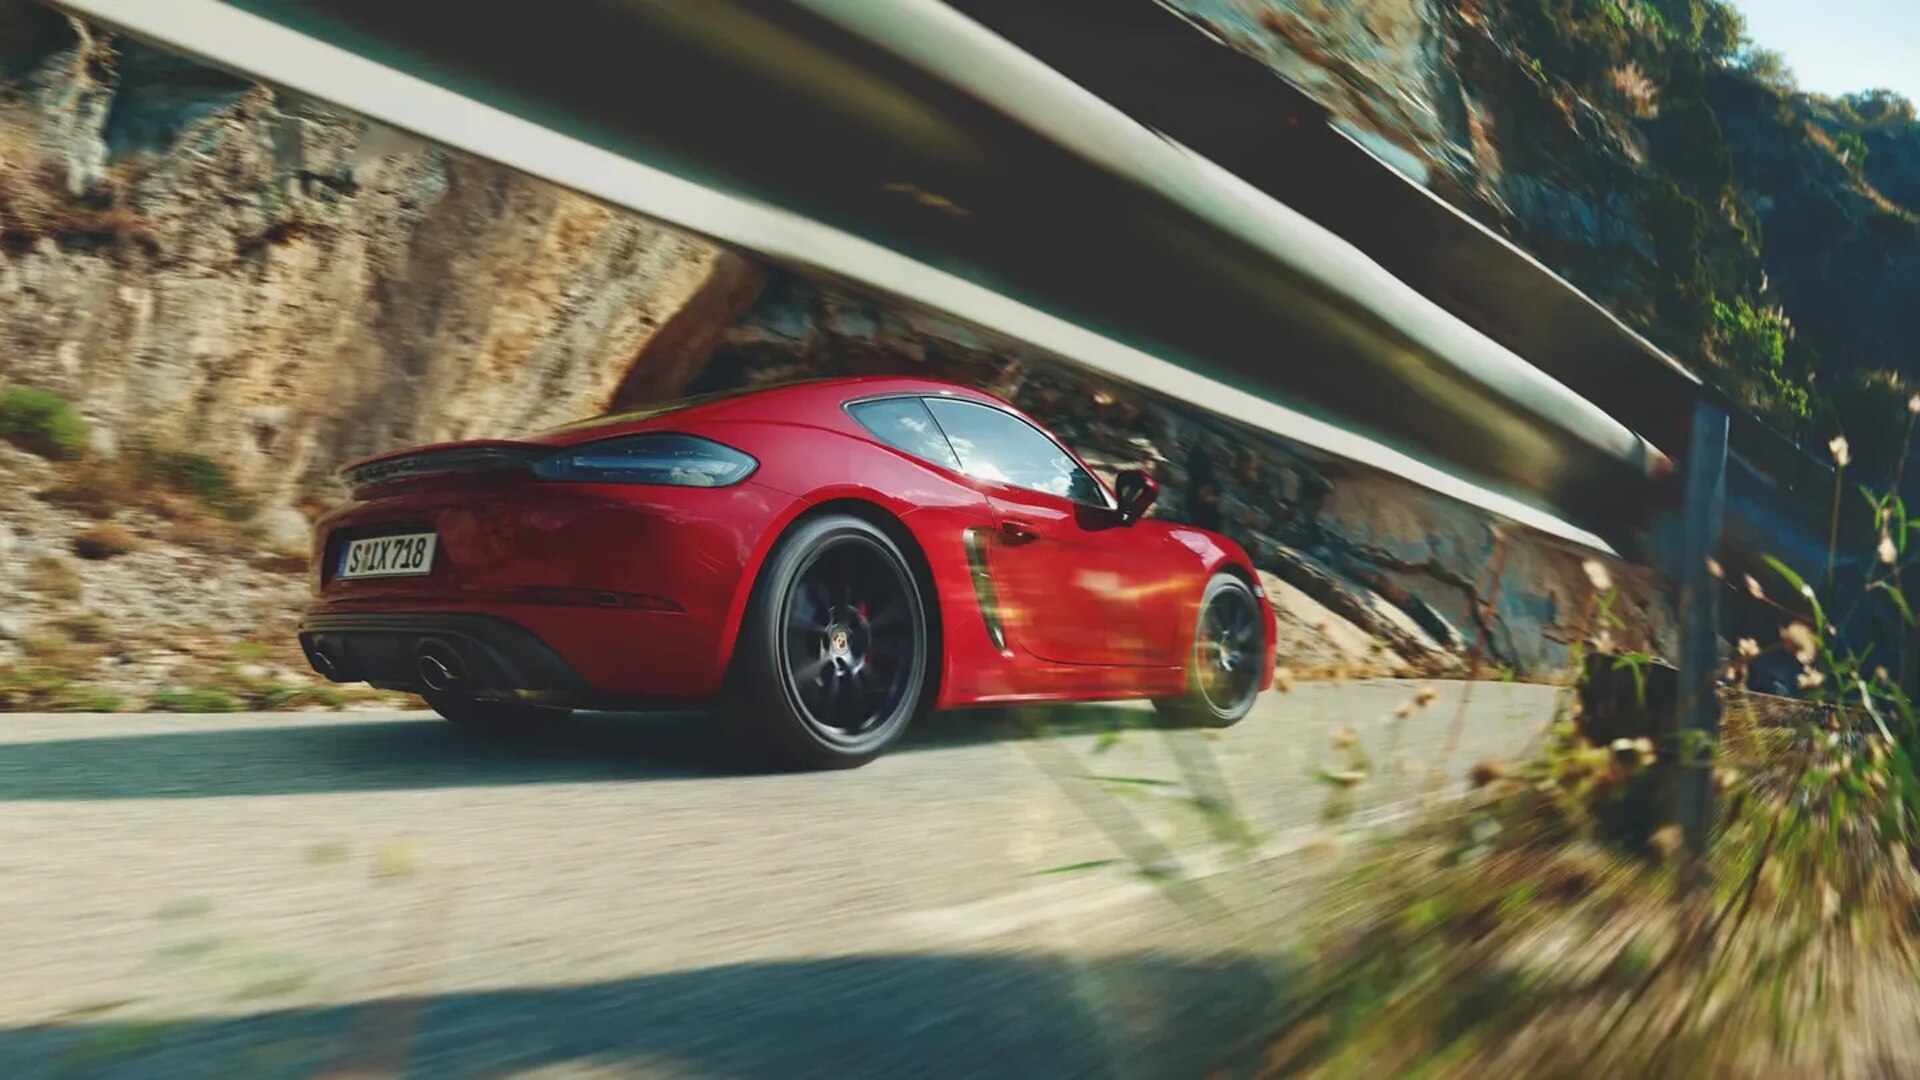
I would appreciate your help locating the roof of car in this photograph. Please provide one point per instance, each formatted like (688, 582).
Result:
(744, 399)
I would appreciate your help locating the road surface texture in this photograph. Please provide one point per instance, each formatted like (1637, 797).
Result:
(371, 895)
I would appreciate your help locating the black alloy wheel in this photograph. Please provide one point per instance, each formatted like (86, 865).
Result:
(834, 657)
(1227, 651)
(1228, 657)
(846, 657)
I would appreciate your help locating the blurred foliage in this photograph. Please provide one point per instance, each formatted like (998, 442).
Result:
(195, 475)
(196, 700)
(105, 540)
(1751, 345)
(1769, 68)
(55, 577)
(1643, 97)
(1872, 407)
(230, 691)
(1852, 149)
(63, 671)
(33, 687)
(1877, 110)
(41, 422)
(1551, 925)
(1505, 936)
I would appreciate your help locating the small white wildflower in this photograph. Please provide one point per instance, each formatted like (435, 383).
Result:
(1748, 648)
(1713, 567)
(1838, 447)
(1889, 554)
(1597, 573)
(1623, 746)
(1754, 588)
(1802, 640)
(1810, 680)
(1913, 404)
(1667, 840)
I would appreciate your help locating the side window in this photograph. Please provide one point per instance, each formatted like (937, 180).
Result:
(903, 424)
(993, 445)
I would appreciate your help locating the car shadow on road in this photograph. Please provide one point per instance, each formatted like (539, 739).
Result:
(278, 757)
(888, 1016)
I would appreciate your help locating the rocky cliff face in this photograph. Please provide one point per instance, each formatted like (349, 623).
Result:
(195, 262)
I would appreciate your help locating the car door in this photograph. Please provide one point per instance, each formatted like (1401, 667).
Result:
(1077, 583)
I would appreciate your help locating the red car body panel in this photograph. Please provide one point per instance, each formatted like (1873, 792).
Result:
(641, 588)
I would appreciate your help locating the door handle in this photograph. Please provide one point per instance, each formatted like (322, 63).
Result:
(1015, 529)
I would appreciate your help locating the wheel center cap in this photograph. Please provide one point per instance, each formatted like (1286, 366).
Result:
(838, 640)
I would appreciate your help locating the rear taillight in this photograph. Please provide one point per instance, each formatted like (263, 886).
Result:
(667, 458)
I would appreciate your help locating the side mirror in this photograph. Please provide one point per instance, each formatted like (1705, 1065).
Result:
(1137, 492)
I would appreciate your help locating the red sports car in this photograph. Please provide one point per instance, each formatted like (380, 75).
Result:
(820, 561)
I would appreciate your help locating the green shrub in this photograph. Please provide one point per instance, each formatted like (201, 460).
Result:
(1852, 149)
(1753, 344)
(196, 701)
(1677, 224)
(40, 686)
(277, 697)
(86, 699)
(198, 476)
(41, 422)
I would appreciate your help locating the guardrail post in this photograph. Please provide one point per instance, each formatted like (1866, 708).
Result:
(1691, 546)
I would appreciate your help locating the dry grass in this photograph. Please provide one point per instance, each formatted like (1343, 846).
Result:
(35, 203)
(185, 525)
(1819, 137)
(144, 481)
(1641, 96)
(105, 541)
(98, 489)
(86, 627)
(55, 577)
(274, 562)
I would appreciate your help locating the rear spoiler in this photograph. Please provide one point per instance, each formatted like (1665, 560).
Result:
(477, 456)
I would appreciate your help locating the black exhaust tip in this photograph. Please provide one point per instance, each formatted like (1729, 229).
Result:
(438, 667)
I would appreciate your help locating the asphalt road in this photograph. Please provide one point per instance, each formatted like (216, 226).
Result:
(371, 894)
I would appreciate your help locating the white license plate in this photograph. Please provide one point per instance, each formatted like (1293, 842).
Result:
(388, 556)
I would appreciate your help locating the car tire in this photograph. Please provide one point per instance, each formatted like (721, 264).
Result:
(493, 717)
(835, 650)
(1226, 660)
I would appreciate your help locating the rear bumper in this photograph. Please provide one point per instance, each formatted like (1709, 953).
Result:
(485, 652)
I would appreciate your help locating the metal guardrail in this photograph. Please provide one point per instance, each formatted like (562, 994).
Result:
(1065, 222)
(1159, 65)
